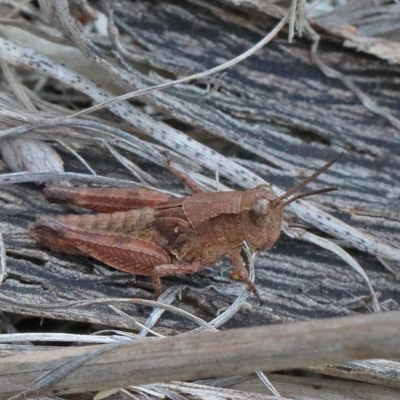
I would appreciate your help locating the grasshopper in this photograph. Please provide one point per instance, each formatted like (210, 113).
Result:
(147, 232)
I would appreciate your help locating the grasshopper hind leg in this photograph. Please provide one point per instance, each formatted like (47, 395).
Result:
(184, 177)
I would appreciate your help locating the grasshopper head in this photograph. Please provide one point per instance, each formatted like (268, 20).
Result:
(261, 216)
(262, 210)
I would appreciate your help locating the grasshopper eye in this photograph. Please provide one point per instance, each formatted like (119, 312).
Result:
(259, 213)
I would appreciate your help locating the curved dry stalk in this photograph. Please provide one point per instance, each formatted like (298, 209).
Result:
(166, 297)
(141, 175)
(84, 303)
(329, 245)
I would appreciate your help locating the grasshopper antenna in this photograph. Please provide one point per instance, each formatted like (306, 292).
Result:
(306, 194)
(307, 181)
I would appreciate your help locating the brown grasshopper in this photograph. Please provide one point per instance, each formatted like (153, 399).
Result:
(150, 233)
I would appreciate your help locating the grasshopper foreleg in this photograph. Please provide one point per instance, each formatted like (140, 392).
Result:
(240, 271)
